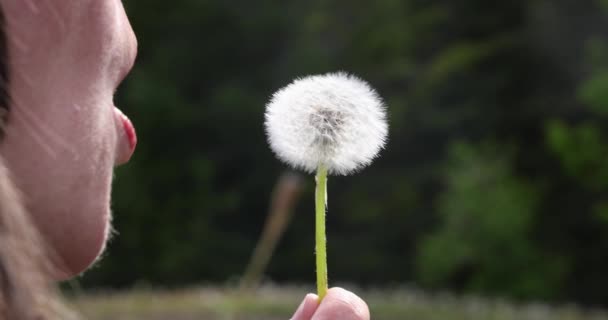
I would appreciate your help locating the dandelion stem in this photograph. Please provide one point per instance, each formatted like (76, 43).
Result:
(321, 246)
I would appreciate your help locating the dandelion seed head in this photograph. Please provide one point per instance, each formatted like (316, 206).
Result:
(335, 119)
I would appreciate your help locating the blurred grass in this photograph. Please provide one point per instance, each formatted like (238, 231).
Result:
(270, 303)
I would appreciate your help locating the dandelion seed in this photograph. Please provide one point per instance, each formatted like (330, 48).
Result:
(333, 123)
(336, 120)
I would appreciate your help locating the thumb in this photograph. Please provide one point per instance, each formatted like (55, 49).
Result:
(341, 304)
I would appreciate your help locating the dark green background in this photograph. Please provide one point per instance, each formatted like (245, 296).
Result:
(494, 180)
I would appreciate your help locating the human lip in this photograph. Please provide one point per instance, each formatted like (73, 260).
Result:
(127, 137)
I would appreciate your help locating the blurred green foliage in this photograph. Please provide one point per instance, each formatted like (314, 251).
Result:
(494, 179)
(485, 237)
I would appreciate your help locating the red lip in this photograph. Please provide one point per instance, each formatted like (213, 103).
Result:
(130, 132)
(128, 141)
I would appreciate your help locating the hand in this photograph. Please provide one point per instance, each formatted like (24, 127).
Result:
(338, 304)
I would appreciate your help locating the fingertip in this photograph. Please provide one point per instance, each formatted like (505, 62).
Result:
(312, 298)
(307, 308)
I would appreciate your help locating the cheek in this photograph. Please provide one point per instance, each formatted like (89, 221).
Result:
(60, 143)
(67, 190)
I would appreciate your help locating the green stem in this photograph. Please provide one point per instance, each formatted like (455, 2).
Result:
(321, 246)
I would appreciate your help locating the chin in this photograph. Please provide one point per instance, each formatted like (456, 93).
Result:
(75, 254)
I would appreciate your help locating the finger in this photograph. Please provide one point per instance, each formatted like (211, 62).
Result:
(341, 304)
(307, 308)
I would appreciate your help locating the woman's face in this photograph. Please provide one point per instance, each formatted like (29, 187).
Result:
(64, 134)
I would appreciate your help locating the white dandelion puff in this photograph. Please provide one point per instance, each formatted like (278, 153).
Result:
(334, 123)
(335, 120)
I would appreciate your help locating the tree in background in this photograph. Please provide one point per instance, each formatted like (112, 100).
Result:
(485, 242)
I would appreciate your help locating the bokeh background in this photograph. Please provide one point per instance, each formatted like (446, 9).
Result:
(494, 181)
